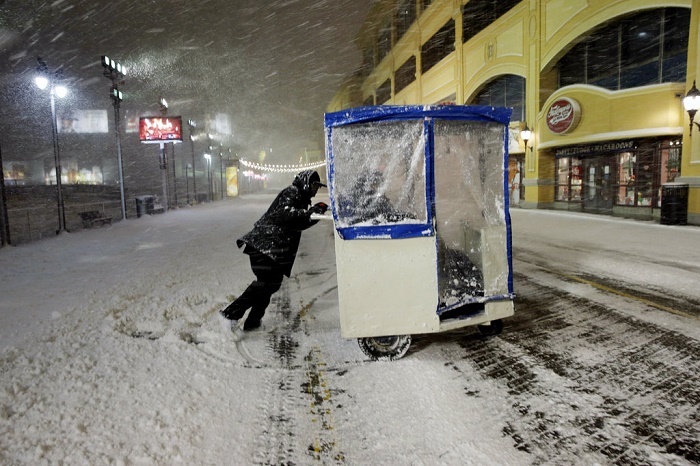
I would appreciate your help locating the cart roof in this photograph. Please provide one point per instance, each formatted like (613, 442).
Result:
(405, 112)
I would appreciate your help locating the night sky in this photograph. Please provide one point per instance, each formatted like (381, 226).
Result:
(273, 66)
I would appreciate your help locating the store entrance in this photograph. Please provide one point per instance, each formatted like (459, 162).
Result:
(598, 194)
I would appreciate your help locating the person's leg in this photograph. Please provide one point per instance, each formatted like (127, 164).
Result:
(237, 308)
(257, 295)
(262, 299)
(269, 280)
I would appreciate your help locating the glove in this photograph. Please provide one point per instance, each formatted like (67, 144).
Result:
(319, 208)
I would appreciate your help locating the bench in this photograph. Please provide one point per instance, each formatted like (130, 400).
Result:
(93, 216)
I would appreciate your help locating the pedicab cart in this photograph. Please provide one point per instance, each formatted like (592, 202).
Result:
(422, 231)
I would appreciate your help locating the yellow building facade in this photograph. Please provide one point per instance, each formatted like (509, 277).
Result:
(609, 130)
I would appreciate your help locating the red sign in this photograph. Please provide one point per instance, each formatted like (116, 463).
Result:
(160, 129)
(563, 115)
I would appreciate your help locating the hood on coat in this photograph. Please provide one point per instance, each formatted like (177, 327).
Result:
(304, 180)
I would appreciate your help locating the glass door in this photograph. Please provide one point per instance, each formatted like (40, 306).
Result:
(598, 180)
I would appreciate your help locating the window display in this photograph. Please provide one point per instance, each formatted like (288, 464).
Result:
(568, 181)
(626, 179)
(14, 174)
(631, 178)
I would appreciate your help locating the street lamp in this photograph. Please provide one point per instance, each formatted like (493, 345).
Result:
(221, 170)
(208, 157)
(115, 72)
(187, 181)
(45, 79)
(691, 102)
(164, 157)
(172, 146)
(4, 217)
(191, 124)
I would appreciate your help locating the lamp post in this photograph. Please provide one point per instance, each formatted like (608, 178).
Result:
(221, 170)
(174, 175)
(115, 72)
(187, 182)
(691, 102)
(208, 158)
(191, 124)
(4, 218)
(164, 158)
(45, 79)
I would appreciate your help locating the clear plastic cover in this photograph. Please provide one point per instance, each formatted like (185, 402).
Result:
(469, 210)
(379, 174)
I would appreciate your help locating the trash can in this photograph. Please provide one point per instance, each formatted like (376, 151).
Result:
(144, 205)
(674, 204)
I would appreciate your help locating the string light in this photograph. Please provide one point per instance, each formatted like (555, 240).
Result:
(282, 168)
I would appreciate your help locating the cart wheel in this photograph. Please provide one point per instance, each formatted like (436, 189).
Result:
(385, 348)
(494, 328)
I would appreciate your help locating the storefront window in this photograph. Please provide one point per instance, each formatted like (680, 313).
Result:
(630, 177)
(636, 179)
(640, 174)
(31, 174)
(644, 172)
(562, 181)
(515, 170)
(626, 179)
(72, 173)
(14, 174)
(576, 172)
(568, 181)
(670, 162)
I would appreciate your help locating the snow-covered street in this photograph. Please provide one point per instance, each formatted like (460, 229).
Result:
(111, 353)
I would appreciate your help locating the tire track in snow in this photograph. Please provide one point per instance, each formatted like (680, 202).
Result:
(296, 407)
(277, 440)
(589, 382)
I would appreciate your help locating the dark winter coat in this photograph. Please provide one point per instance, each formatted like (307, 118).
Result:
(278, 232)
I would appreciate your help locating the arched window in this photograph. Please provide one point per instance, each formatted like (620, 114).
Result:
(644, 48)
(504, 91)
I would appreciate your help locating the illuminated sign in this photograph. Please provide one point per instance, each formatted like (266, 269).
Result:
(160, 129)
(82, 121)
(563, 115)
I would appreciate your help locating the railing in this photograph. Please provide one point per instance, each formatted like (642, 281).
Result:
(35, 223)
(32, 211)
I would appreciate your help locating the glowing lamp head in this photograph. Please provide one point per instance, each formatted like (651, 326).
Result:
(691, 101)
(61, 91)
(41, 82)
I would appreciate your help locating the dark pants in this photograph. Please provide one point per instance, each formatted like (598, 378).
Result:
(257, 296)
